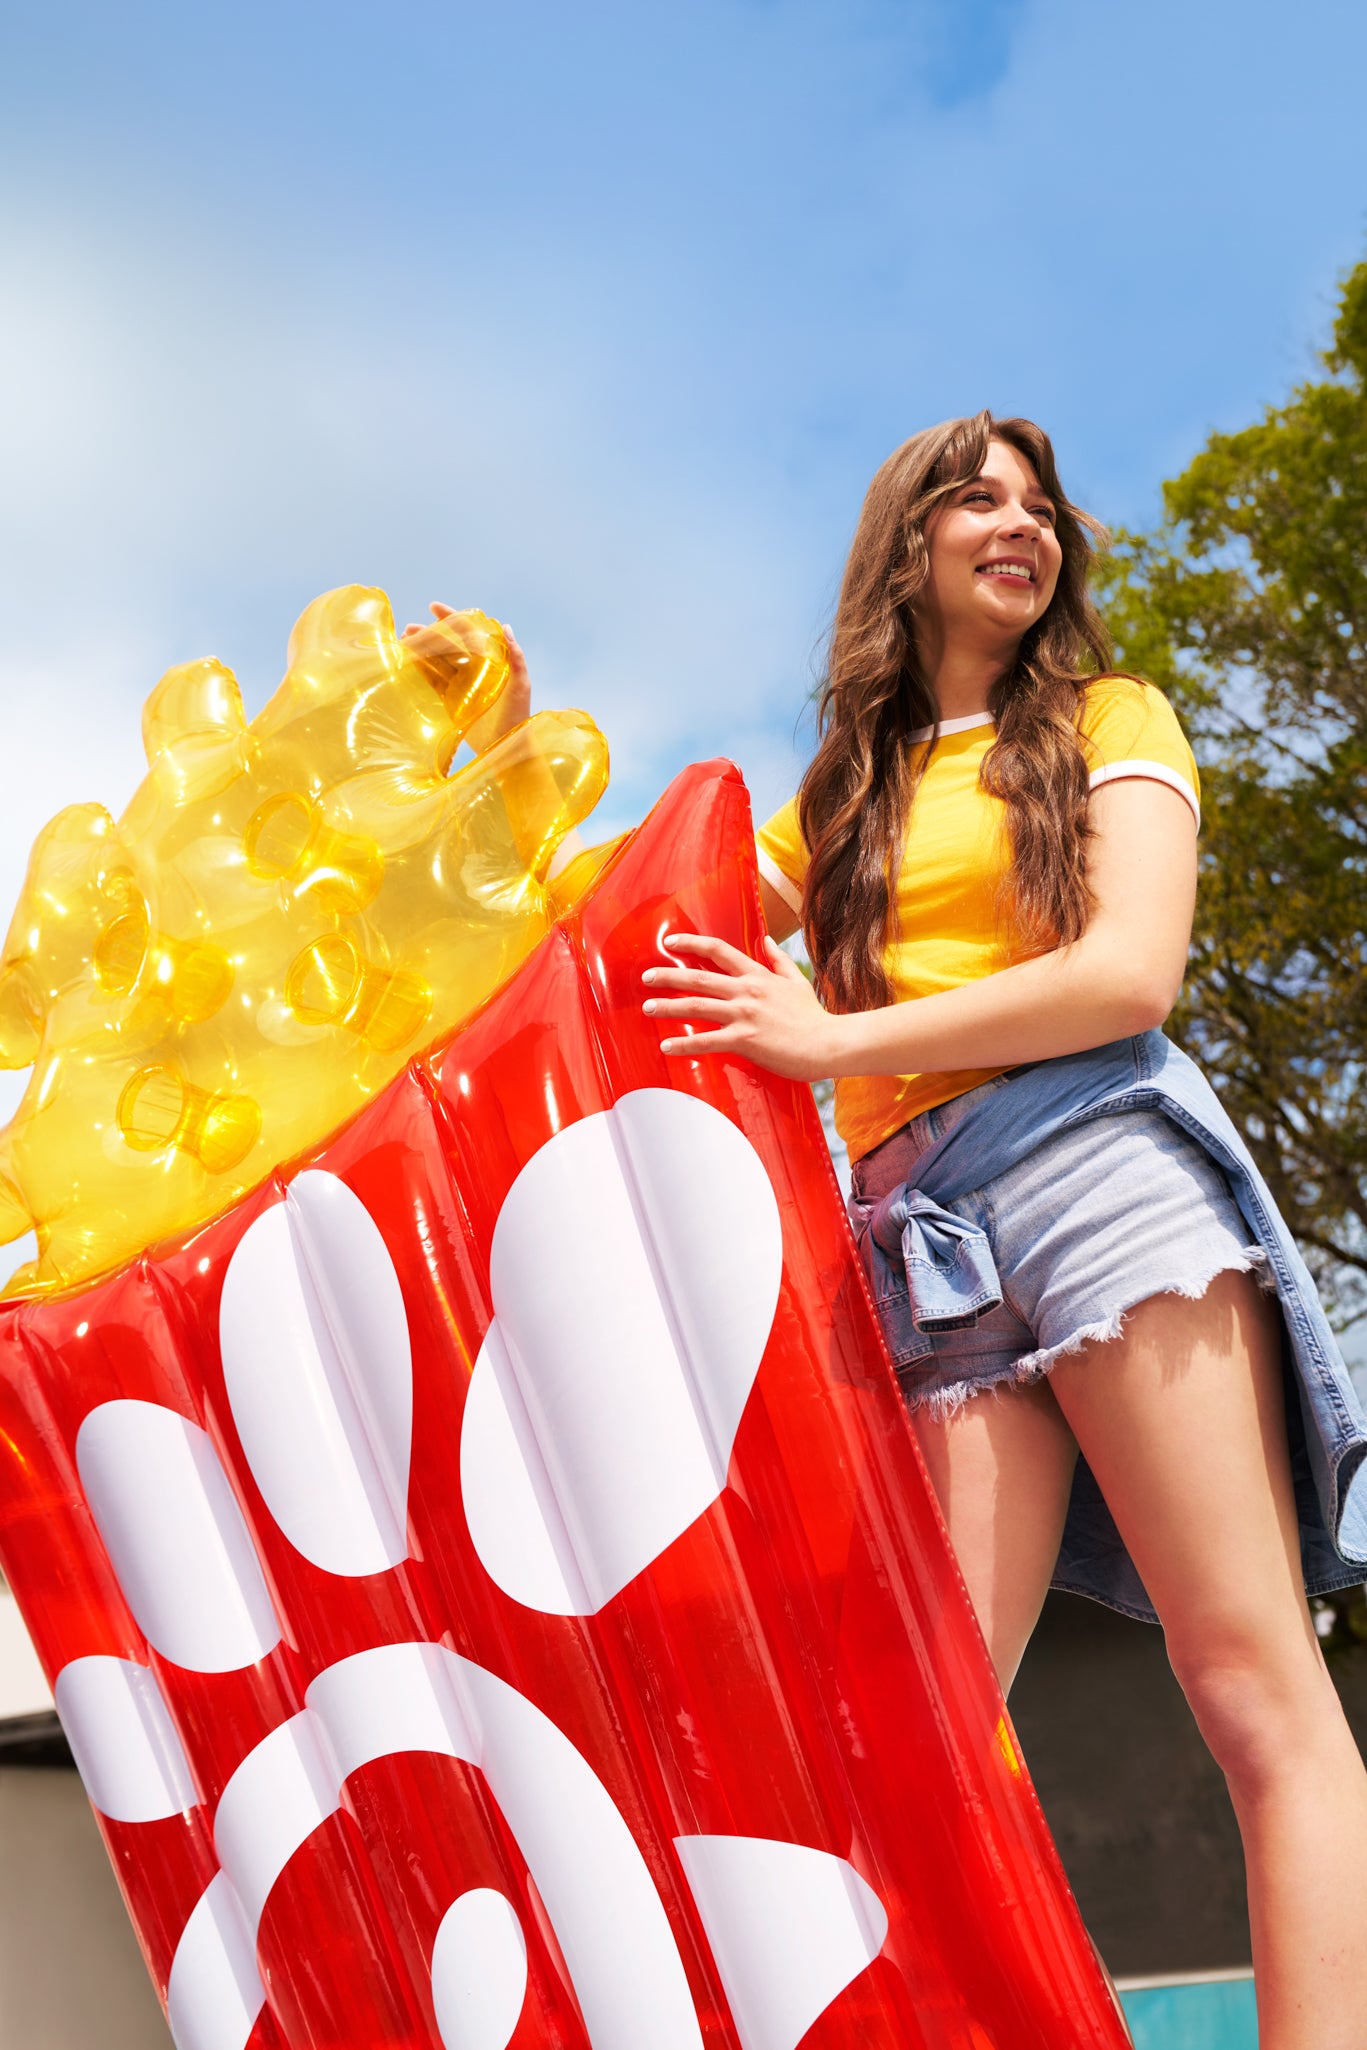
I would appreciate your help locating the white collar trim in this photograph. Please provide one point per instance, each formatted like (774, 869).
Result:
(964, 725)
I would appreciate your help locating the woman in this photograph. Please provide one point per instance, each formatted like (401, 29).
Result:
(1045, 1191)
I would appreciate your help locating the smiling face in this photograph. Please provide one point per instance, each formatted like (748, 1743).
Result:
(994, 559)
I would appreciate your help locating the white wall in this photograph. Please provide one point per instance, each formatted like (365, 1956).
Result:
(71, 1974)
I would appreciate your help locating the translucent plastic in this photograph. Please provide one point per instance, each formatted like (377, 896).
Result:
(490, 1583)
(286, 913)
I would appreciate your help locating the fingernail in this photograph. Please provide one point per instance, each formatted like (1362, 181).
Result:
(647, 975)
(649, 1009)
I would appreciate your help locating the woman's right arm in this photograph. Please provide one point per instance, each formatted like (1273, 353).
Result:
(1121, 977)
(779, 917)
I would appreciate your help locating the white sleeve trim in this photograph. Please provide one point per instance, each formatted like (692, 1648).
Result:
(778, 882)
(1153, 772)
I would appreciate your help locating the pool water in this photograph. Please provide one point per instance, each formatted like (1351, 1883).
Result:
(1212, 2014)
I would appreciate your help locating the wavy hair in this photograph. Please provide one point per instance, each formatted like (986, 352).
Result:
(854, 805)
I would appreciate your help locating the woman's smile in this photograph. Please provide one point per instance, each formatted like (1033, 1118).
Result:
(1013, 567)
(994, 556)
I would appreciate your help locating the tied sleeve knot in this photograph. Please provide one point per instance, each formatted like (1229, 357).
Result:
(930, 1269)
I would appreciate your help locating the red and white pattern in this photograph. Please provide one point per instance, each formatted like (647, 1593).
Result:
(489, 1583)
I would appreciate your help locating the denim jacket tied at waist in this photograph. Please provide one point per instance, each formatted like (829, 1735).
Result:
(931, 1270)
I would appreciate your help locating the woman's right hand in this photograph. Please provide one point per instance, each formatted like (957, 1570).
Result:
(514, 703)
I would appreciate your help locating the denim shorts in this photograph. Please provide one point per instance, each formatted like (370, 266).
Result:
(1097, 1219)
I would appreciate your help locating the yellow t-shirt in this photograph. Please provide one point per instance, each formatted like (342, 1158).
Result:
(956, 852)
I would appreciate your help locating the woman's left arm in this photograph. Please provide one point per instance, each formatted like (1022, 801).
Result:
(528, 787)
(1121, 977)
(435, 653)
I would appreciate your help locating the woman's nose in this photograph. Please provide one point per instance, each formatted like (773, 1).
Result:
(1020, 520)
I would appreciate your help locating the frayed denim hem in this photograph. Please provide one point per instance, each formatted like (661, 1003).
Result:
(948, 1400)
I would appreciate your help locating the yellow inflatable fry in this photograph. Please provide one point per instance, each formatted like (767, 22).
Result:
(288, 911)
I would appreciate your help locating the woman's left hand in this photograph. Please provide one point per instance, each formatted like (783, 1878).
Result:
(770, 1014)
(513, 703)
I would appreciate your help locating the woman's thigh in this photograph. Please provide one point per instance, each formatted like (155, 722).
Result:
(1182, 1420)
(1002, 1470)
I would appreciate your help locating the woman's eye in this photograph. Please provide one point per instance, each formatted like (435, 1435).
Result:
(1043, 512)
(979, 498)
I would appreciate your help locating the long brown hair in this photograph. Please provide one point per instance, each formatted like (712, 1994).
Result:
(856, 797)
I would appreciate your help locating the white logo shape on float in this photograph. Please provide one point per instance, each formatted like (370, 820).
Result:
(214, 1992)
(634, 1272)
(176, 1537)
(609, 1921)
(479, 1971)
(790, 1929)
(123, 1740)
(319, 1372)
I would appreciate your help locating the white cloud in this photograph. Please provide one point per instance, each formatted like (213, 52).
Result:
(599, 320)
(199, 449)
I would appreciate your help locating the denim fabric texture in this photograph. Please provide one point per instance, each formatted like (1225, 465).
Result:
(1022, 1219)
(1045, 1256)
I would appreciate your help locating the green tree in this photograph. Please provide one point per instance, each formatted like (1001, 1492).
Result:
(1248, 606)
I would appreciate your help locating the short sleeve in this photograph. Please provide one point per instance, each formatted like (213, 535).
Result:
(782, 856)
(1130, 729)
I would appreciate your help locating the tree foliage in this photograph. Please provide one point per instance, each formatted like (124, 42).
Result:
(1249, 607)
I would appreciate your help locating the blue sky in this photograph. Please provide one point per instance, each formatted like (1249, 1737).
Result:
(602, 317)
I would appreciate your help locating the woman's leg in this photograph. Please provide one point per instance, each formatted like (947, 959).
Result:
(1002, 1468)
(1182, 1421)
